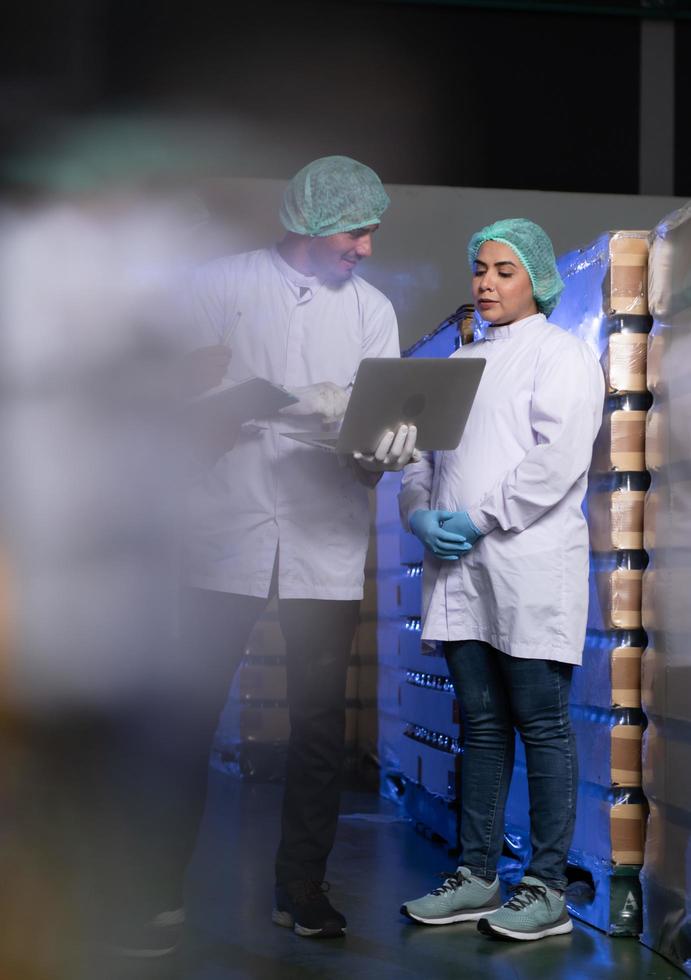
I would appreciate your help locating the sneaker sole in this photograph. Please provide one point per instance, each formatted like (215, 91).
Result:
(133, 953)
(286, 921)
(450, 919)
(489, 929)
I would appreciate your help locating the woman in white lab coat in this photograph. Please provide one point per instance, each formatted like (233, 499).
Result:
(506, 578)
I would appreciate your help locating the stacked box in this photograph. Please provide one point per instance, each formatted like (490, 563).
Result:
(666, 664)
(605, 303)
(610, 676)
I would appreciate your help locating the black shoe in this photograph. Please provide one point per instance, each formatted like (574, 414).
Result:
(303, 907)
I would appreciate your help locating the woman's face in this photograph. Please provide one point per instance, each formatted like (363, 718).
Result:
(502, 290)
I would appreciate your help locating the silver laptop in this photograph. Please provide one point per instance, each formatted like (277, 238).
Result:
(433, 393)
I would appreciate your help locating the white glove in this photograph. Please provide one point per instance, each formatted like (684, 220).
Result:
(326, 399)
(395, 450)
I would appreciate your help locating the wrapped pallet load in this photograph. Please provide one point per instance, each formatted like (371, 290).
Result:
(418, 746)
(666, 664)
(605, 303)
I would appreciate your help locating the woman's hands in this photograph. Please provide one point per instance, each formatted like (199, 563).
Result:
(460, 523)
(430, 527)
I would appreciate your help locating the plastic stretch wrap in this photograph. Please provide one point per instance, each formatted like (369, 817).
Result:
(380, 627)
(605, 303)
(413, 656)
(615, 591)
(383, 551)
(410, 590)
(386, 693)
(626, 363)
(615, 511)
(620, 445)
(669, 278)
(387, 753)
(433, 815)
(665, 685)
(611, 673)
(411, 549)
(430, 707)
(610, 823)
(626, 286)
(429, 761)
(666, 664)
(668, 774)
(605, 295)
(666, 884)
(426, 707)
(609, 746)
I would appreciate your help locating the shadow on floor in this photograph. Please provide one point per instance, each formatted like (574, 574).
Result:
(378, 862)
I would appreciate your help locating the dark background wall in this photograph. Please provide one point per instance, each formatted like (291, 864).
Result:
(426, 93)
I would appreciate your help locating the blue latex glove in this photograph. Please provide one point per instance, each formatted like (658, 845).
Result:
(428, 526)
(460, 523)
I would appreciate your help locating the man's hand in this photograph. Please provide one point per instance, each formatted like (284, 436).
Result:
(204, 368)
(325, 399)
(395, 450)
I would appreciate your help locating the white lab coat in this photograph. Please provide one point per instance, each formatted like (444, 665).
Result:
(521, 473)
(269, 489)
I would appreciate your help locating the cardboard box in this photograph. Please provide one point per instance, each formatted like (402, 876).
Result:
(626, 284)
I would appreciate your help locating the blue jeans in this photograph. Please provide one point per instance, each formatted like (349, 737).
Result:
(498, 694)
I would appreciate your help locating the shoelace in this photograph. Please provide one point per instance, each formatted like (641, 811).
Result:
(525, 895)
(452, 881)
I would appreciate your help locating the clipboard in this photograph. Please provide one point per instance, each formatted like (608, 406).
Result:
(231, 405)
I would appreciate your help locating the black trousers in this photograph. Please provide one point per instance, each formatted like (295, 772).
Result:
(318, 636)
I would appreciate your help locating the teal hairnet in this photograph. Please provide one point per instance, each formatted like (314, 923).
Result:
(534, 248)
(331, 195)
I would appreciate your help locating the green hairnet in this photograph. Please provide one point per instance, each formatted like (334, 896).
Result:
(534, 248)
(331, 195)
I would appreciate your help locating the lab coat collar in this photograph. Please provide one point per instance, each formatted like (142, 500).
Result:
(297, 279)
(511, 329)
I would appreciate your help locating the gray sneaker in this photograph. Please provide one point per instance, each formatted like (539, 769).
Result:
(533, 912)
(461, 898)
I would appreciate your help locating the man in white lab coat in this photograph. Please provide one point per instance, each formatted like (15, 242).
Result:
(276, 516)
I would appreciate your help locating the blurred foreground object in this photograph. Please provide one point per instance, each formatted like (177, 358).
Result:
(93, 254)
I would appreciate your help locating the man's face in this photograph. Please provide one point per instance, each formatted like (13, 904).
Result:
(502, 290)
(334, 257)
